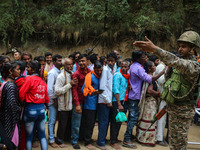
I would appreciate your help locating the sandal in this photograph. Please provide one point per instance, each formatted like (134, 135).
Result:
(62, 146)
(129, 145)
(115, 146)
(90, 147)
(101, 147)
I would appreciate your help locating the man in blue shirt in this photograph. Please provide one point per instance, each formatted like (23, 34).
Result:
(120, 87)
(91, 90)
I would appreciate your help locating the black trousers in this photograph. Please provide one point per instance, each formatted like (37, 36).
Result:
(114, 126)
(63, 118)
(89, 122)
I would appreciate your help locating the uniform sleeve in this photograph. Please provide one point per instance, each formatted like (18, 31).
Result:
(50, 85)
(75, 90)
(103, 85)
(187, 67)
(116, 84)
(60, 87)
(24, 89)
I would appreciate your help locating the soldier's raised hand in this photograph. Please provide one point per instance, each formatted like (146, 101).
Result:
(146, 46)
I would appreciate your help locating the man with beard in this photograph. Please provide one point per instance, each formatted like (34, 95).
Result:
(63, 89)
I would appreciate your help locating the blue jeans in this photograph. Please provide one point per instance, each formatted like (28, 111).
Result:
(76, 123)
(132, 118)
(103, 122)
(52, 122)
(34, 115)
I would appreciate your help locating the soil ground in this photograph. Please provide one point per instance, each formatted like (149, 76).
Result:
(194, 136)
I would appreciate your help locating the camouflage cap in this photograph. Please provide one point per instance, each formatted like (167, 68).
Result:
(190, 37)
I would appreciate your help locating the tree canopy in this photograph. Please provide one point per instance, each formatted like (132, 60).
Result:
(77, 21)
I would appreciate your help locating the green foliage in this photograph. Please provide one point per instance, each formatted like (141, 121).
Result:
(76, 20)
(6, 19)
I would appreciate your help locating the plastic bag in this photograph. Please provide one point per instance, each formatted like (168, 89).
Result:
(121, 117)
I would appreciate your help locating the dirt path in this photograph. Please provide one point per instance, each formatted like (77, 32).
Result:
(194, 136)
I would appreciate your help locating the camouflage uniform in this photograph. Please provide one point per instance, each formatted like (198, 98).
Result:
(180, 110)
(180, 118)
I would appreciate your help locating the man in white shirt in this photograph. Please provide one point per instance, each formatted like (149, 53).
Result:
(105, 99)
(51, 80)
(63, 90)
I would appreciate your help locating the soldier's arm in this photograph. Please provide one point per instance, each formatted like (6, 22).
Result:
(188, 67)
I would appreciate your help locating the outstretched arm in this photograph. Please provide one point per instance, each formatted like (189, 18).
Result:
(188, 67)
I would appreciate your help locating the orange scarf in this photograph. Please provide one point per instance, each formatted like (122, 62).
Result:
(126, 76)
(88, 87)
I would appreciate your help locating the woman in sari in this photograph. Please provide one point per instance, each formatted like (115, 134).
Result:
(148, 108)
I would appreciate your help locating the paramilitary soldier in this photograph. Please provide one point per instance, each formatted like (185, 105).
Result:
(179, 88)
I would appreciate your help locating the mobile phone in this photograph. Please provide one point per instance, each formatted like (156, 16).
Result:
(101, 90)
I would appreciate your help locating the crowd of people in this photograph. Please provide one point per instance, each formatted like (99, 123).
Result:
(81, 89)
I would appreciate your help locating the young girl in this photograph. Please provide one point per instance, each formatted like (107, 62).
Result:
(34, 93)
(9, 110)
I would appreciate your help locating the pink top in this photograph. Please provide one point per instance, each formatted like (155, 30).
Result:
(15, 138)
